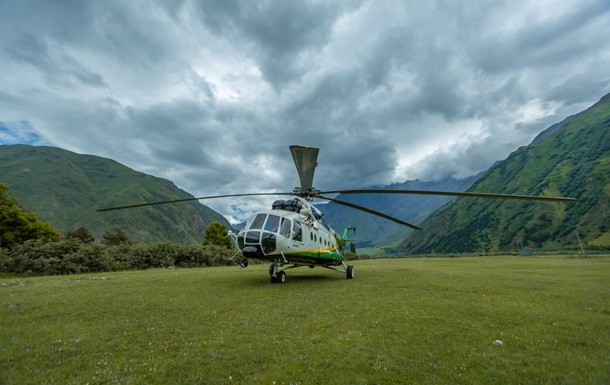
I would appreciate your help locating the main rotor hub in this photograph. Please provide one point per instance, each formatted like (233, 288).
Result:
(307, 193)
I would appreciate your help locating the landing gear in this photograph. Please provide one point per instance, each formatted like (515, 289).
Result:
(349, 272)
(244, 263)
(277, 276)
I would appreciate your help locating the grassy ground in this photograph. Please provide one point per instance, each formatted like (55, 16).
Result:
(421, 321)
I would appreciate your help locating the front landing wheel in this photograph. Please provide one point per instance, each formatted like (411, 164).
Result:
(350, 272)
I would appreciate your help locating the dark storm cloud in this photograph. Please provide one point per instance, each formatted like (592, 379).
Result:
(211, 94)
(279, 34)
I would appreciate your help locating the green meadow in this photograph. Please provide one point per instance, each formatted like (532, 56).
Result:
(486, 320)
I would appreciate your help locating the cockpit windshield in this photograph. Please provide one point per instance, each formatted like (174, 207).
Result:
(273, 223)
(258, 221)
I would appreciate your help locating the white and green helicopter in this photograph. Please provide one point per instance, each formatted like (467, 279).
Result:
(293, 233)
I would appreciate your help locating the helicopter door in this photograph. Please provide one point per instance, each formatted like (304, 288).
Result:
(285, 227)
(297, 231)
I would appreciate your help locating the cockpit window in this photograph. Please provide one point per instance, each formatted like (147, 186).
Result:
(257, 223)
(285, 227)
(273, 223)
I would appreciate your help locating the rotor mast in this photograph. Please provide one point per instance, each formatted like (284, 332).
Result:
(305, 160)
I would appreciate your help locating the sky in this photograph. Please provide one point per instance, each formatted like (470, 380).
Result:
(210, 94)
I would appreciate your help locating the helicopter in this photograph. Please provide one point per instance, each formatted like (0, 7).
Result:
(293, 232)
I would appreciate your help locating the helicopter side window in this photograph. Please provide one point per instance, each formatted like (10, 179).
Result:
(257, 223)
(297, 232)
(273, 223)
(285, 227)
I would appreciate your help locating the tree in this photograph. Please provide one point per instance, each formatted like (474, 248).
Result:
(81, 233)
(18, 225)
(116, 236)
(216, 234)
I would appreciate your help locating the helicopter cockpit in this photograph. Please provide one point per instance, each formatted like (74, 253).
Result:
(261, 232)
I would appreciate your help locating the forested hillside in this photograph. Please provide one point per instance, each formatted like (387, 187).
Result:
(65, 189)
(572, 161)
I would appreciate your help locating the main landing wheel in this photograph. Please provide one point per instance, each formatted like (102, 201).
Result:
(350, 272)
(281, 277)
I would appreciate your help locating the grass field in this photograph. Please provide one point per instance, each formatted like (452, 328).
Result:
(419, 321)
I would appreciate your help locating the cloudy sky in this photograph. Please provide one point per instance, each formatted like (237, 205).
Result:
(210, 94)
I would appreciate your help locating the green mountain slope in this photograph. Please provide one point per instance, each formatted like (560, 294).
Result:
(378, 232)
(65, 189)
(572, 161)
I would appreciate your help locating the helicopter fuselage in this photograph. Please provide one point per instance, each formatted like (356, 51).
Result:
(292, 232)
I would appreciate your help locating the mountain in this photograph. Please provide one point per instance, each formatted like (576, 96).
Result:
(572, 159)
(65, 189)
(411, 208)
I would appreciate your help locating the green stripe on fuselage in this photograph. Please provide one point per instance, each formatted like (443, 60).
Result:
(320, 256)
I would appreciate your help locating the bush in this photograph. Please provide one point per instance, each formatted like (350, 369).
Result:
(41, 258)
(89, 258)
(72, 256)
(163, 254)
(189, 256)
(120, 257)
(219, 255)
(4, 259)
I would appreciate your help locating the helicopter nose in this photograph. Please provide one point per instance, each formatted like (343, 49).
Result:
(252, 252)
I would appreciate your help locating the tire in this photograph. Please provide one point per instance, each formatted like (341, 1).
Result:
(281, 277)
(350, 272)
(271, 267)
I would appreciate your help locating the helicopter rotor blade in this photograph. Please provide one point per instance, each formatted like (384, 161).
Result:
(452, 193)
(365, 209)
(188, 199)
(306, 160)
